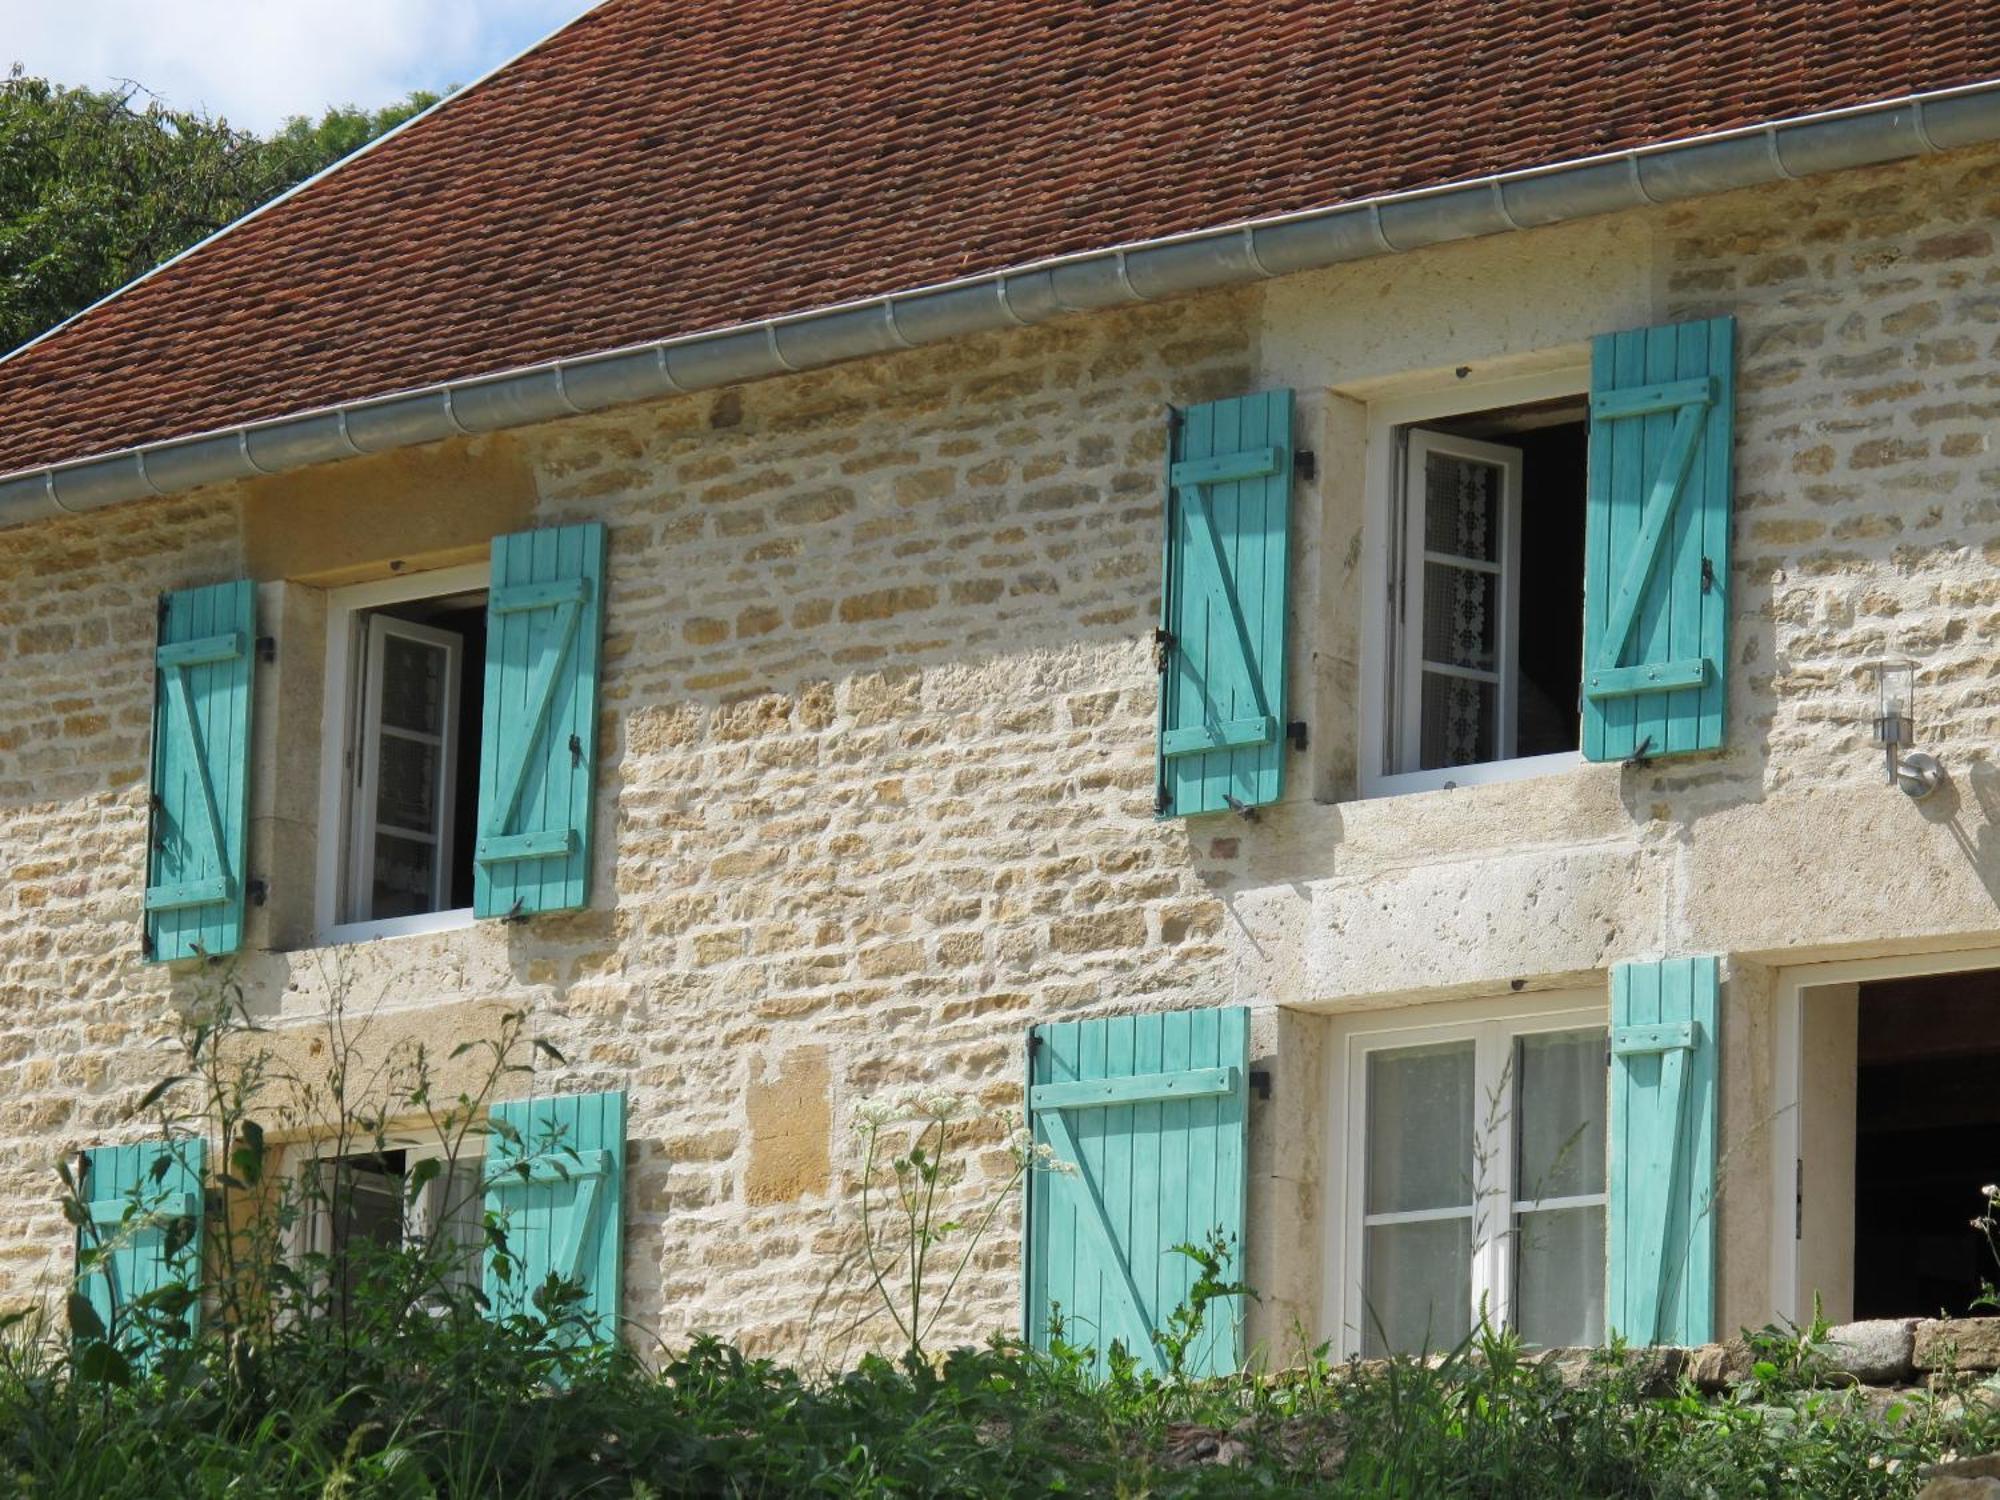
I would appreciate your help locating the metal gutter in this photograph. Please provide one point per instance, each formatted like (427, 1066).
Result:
(1205, 260)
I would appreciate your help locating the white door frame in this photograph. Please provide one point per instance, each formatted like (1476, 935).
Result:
(1787, 1071)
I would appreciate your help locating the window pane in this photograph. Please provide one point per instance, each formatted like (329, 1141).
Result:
(402, 883)
(456, 1207)
(1561, 1080)
(412, 685)
(1420, 1128)
(1559, 1277)
(406, 785)
(1459, 610)
(1416, 1286)
(1461, 722)
(1461, 507)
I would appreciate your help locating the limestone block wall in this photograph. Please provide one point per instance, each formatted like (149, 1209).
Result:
(875, 789)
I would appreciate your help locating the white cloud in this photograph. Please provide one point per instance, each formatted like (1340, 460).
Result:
(257, 61)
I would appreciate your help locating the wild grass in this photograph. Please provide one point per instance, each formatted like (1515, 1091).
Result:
(478, 1408)
(362, 1372)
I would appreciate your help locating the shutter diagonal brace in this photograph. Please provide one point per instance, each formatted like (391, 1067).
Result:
(1671, 1042)
(1191, 477)
(1690, 400)
(588, 1174)
(1090, 1210)
(174, 663)
(496, 845)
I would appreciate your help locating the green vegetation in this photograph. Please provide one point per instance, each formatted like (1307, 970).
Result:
(456, 1405)
(99, 186)
(284, 1362)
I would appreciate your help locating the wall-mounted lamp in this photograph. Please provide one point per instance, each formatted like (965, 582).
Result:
(1915, 772)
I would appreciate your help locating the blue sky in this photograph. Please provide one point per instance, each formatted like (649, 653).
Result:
(257, 61)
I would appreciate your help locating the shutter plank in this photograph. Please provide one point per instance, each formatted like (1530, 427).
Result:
(1655, 619)
(1660, 1286)
(538, 749)
(1163, 1169)
(1223, 604)
(115, 1181)
(203, 661)
(564, 1214)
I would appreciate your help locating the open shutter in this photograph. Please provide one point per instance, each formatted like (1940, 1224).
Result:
(200, 808)
(1661, 1231)
(1656, 544)
(1220, 647)
(144, 1206)
(538, 749)
(555, 1172)
(1153, 1112)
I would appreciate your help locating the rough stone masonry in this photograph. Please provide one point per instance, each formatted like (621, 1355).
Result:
(878, 725)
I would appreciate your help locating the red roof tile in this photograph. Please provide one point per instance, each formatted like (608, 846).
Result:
(662, 167)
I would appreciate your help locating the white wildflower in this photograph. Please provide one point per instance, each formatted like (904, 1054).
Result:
(873, 1114)
(1991, 1191)
(941, 1105)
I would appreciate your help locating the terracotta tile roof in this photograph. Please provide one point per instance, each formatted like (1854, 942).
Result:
(662, 167)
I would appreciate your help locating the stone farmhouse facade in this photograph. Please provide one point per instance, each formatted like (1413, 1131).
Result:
(1392, 714)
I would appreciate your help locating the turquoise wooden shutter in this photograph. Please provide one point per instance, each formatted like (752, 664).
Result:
(555, 1172)
(1656, 540)
(144, 1206)
(200, 809)
(1220, 648)
(538, 747)
(1153, 1112)
(1660, 1285)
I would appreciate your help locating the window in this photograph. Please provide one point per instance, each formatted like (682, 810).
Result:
(1479, 582)
(378, 1201)
(1473, 1167)
(405, 706)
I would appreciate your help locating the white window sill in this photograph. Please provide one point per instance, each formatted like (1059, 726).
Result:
(391, 927)
(1527, 768)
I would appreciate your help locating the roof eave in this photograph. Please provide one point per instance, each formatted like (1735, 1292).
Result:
(1205, 260)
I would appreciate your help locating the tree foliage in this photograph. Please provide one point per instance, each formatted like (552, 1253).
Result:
(98, 186)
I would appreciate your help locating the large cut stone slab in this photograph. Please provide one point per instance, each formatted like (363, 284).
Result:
(1879, 1351)
(1965, 1479)
(1957, 1344)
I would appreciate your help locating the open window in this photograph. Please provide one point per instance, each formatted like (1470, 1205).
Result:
(1472, 1171)
(376, 1202)
(405, 712)
(1484, 593)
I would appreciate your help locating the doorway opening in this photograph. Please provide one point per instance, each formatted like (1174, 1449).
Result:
(1926, 1137)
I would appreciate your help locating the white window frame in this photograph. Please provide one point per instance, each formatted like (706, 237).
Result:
(313, 1231)
(362, 826)
(346, 639)
(1492, 1026)
(1504, 570)
(1384, 545)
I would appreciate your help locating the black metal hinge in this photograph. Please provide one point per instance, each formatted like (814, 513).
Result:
(259, 891)
(1260, 1080)
(1296, 733)
(1305, 465)
(1163, 649)
(1707, 575)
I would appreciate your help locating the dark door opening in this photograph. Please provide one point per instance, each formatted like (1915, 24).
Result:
(1927, 1136)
